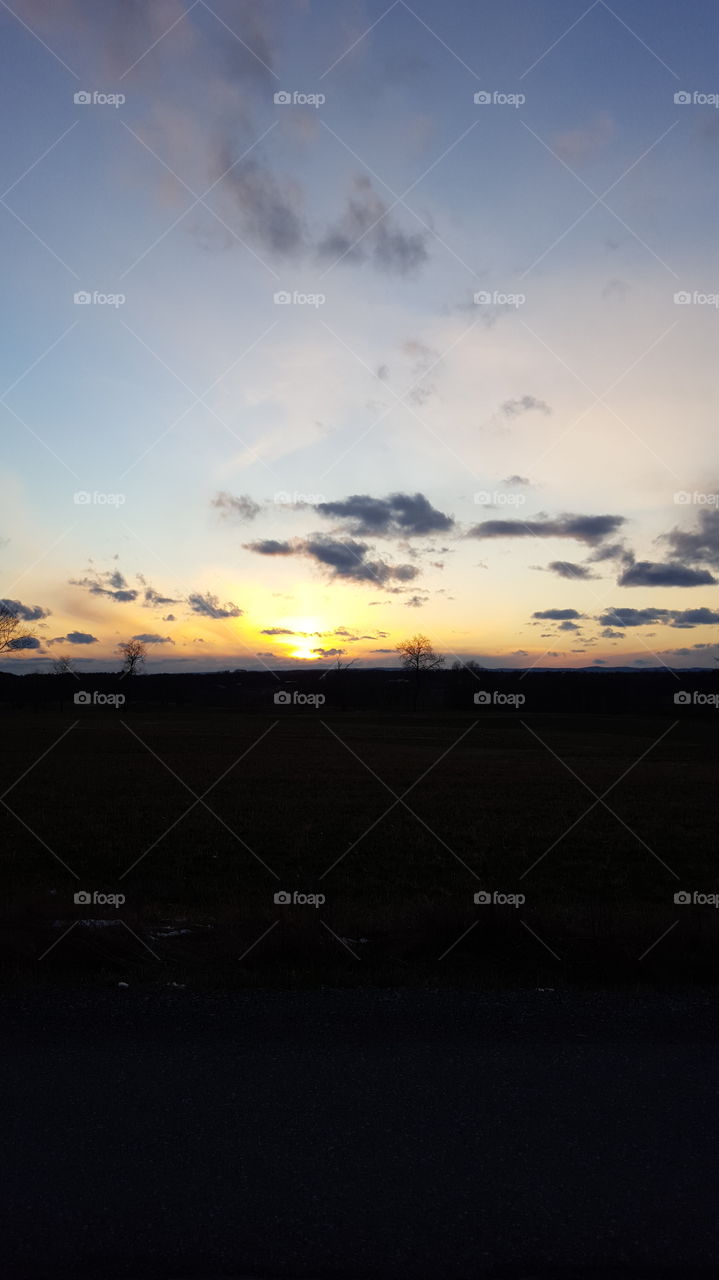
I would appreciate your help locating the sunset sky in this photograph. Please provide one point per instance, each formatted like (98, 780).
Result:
(487, 411)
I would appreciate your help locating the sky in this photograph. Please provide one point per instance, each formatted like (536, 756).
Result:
(327, 323)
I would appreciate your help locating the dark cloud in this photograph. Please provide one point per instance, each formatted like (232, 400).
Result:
(517, 481)
(154, 639)
(267, 206)
(210, 607)
(349, 560)
(112, 585)
(557, 615)
(398, 515)
(524, 404)
(633, 617)
(24, 642)
(277, 631)
(80, 637)
(589, 529)
(153, 597)
(695, 617)
(700, 546)
(343, 558)
(567, 569)
(645, 573)
(27, 612)
(366, 232)
(242, 507)
(328, 653)
(270, 547)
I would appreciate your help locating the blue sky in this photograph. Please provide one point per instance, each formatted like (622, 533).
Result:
(582, 388)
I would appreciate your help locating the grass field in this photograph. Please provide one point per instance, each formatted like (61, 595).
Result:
(311, 803)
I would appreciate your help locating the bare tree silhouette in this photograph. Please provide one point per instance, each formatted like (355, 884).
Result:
(418, 657)
(133, 653)
(11, 632)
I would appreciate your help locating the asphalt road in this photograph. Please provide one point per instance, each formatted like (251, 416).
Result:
(371, 1134)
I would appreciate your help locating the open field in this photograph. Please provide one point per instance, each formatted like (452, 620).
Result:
(199, 817)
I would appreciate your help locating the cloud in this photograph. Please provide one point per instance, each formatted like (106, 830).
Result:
(415, 602)
(644, 573)
(75, 637)
(567, 569)
(700, 546)
(210, 607)
(578, 145)
(346, 559)
(589, 529)
(24, 642)
(277, 631)
(366, 232)
(525, 404)
(349, 560)
(267, 206)
(328, 653)
(517, 481)
(695, 617)
(633, 617)
(269, 547)
(557, 615)
(153, 597)
(154, 639)
(681, 618)
(112, 585)
(398, 515)
(26, 612)
(242, 507)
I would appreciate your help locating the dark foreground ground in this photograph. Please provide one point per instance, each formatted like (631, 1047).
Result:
(198, 817)
(366, 1134)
